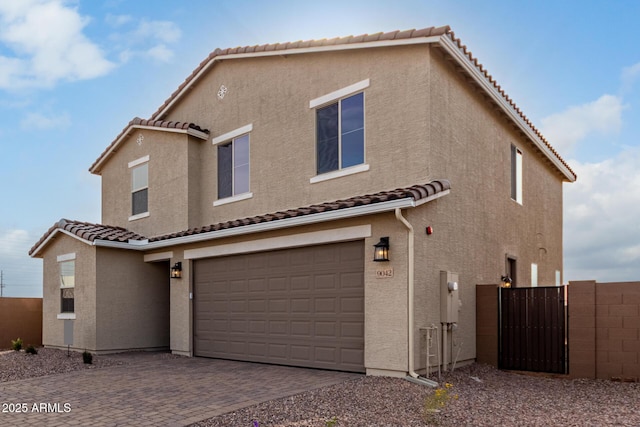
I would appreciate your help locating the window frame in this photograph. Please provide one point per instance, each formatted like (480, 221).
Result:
(66, 260)
(337, 97)
(230, 138)
(534, 274)
(133, 166)
(516, 174)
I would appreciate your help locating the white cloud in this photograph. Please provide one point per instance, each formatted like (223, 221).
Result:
(42, 122)
(165, 31)
(146, 39)
(601, 226)
(629, 76)
(118, 20)
(160, 53)
(48, 45)
(565, 129)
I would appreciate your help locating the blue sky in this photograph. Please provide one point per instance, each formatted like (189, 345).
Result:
(73, 73)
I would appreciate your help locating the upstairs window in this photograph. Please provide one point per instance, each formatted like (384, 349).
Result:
(139, 188)
(340, 134)
(516, 174)
(233, 165)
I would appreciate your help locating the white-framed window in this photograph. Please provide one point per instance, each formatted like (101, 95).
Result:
(340, 131)
(139, 188)
(67, 274)
(233, 165)
(516, 174)
(534, 274)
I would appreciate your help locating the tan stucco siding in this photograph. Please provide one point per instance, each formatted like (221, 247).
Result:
(84, 325)
(131, 292)
(169, 176)
(273, 95)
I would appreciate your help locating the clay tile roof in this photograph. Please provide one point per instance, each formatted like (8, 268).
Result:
(416, 192)
(392, 35)
(137, 121)
(90, 232)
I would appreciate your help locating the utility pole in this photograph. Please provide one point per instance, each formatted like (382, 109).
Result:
(1, 282)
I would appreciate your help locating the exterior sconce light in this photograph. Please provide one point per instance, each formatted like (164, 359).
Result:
(506, 281)
(176, 271)
(381, 250)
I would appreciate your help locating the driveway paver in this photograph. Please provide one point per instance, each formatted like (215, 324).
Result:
(154, 391)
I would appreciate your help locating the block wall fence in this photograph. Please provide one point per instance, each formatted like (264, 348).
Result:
(603, 329)
(20, 318)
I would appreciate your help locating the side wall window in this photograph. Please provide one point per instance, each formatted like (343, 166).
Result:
(67, 286)
(139, 188)
(516, 174)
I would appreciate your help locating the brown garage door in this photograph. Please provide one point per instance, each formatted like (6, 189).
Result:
(300, 307)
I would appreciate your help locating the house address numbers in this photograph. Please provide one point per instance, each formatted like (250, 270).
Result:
(384, 273)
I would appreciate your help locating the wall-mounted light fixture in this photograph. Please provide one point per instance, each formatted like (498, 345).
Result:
(506, 281)
(176, 271)
(381, 250)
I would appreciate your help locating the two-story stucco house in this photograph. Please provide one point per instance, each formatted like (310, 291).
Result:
(240, 220)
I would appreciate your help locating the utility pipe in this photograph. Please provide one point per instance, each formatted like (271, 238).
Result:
(410, 287)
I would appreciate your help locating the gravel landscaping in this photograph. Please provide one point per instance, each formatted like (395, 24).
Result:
(485, 397)
(479, 396)
(17, 365)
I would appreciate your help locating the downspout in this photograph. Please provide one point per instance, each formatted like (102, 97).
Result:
(413, 376)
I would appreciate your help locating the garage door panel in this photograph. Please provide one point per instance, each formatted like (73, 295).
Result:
(325, 305)
(301, 328)
(300, 283)
(300, 307)
(325, 329)
(352, 329)
(325, 282)
(351, 280)
(257, 284)
(352, 305)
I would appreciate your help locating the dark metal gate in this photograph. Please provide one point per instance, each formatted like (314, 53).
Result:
(532, 329)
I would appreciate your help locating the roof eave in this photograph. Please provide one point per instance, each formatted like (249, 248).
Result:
(471, 69)
(36, 251)
(96, 168)
(269, 226)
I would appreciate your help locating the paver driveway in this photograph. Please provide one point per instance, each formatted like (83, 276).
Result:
(155, 391)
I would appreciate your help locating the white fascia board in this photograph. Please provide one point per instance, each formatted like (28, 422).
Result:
(267, 226)
(298, 51)
(463, 60)
(434, 197)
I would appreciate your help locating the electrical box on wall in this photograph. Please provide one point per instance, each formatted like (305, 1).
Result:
(449, 300)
